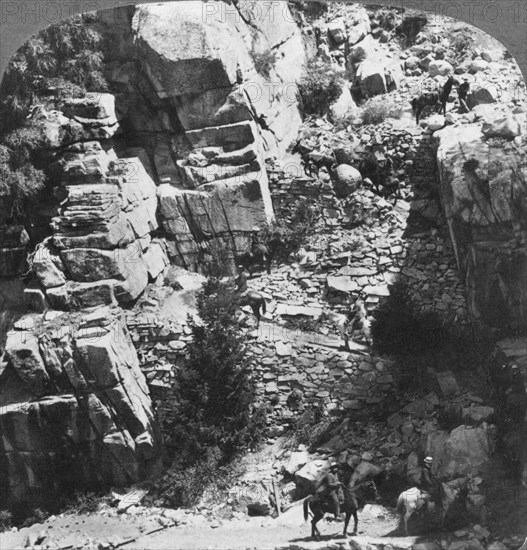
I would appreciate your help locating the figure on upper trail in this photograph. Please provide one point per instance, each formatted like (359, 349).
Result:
(241, 280)
(462, 93)
(429, 482)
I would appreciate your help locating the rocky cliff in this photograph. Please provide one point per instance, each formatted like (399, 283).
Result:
(75, 408)
(169, 162)
(483, 188)
(209, 92)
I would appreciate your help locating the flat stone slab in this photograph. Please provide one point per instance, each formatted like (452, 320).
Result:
(293, 311)
(342, 283)
(513, 347)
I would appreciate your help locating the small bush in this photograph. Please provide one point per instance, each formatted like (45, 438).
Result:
(217, 262)
(378, 110)
(388, 18)
(36, 515)
(320, 86)
(20, 181)
(183, 487)
(86, 502)
(357, 55)
(6, 520)
(283, 238)
(462, 42)
(64, 54)
(264, 62)
(310, 428)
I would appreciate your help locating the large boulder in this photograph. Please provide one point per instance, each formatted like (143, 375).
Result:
(379, 72)
(465, 451)
(344, 107)
(440, 67)
(505, 126)
(23, 352)
(310, 476)
(296, 461)
(337, 31)
(479, 96)
(92, 107)
(47, 266)
(358, 32)
(478, 65)
(347, 180)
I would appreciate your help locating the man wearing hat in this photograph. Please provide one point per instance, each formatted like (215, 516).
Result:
(462, 93)
(330, 488)
(259, 249)
(429, 482)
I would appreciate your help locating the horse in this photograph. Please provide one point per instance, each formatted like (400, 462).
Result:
(515, 450)
(414, 499)
(254, 300)
(433, 99)
(319, 506)
(320, 160)
(260, 256)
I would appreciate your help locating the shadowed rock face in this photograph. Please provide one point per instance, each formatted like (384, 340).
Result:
(484, 194)
(75, 409)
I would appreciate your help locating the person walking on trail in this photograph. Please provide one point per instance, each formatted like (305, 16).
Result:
(241, 280)
(462, 93)
(343, 321)
(329, 489)
(429, 482)
(259, 249)
(515, 396)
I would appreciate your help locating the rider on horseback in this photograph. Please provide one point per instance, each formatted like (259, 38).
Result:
(241, 281)
(429, 482)
(329, 489)
(259, 249)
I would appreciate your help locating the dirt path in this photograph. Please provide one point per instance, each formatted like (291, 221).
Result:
(286, 531)
(202, 533)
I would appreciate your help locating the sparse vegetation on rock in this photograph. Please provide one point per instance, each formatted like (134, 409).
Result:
(264, 62)
(64, 60)
(320, 86)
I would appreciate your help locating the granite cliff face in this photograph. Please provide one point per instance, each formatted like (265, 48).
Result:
(101, 238)
(169, 162)
(75, 408)
(209, 92)
(483, 188)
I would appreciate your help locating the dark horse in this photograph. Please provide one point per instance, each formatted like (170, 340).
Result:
(254, 300)
(433, 99)
(355, 496)
(250, 260)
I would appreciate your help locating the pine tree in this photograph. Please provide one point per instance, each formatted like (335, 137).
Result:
(216, 386)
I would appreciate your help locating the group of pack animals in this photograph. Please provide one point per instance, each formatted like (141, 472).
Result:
(439, 99)
(380, 173)
(361, 490)
(507, 385)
